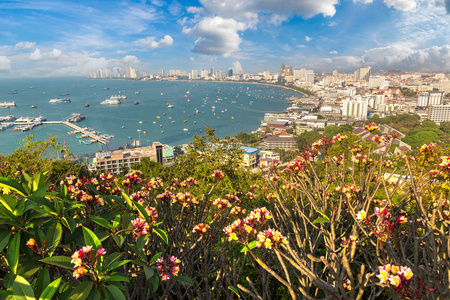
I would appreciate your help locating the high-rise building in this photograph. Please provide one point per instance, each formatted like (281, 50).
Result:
(361, 74)
(430, 98)
(128, 71)
(439, 113)
(356, 109)
(376, 81)
(194, 74)
(171, 72)
(301, 75)
(230, 72)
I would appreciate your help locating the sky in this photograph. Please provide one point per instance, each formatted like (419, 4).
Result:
(49, 38)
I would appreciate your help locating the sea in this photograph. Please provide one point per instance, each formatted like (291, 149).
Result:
(225, 106)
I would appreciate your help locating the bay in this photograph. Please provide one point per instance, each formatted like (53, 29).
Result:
(225, 106)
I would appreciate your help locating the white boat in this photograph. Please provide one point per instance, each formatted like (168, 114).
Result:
(169, 105)
(110, 102)
(118, 97)
(59, 100)
(7, 118)
(185, 129)
(24, 120)
(7, 104)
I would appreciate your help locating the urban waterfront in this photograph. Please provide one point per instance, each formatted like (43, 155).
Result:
(226, 107)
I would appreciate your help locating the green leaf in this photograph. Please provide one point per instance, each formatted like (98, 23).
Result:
(155, 283)
(12, 254)
(4, 239)
(183, 279)
(117, 264)
(22, 290)
(234, 291)
(101, 221)
(149, 272)
(250, 245)
(115, 292)
(142, 211)
(69, 223)
(116, 222)
(28, 268)
(117, 277)
(53, 237)
(50, 290)
(40, 192)
(9, 214)
(91, 239)
(13, 185)
(60, 261)
(113, 257)
(82, 291)
(8, 201)
(95, 295)
(162, 235)
(127, 200)
(155, 257)
(42, 281)
(119, 239)
(138, 252)
(321, 220)
(323, 214)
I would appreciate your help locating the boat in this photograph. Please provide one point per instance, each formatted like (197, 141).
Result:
(59, 100)
(65, 94)
(24, 120)
(140, 122)
(87, 105)
(33, 106)
(136, 103)
(71, 132)
(118, 97)
(7, 104)
(4, 126)
(87, 142)
(11, 92)
(136, 93)
(184, 121)
(162, 94)
(185, 129)
(40, 119)
(92, 86)
(7, 118)
(76, 117)
(107, 88)
(169, 105)
(32, 87)
(111, 102)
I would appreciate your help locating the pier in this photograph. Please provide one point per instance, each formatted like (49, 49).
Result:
(80, 130)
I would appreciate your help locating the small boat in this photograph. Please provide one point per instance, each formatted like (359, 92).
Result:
(136, 93)
(92, 86)
(87, 142)
(106, 88)
(136, 103)
(162, 131)
(33, 106)
(184, 121)
(185, 129)
(195, 122)
(123, 127)
(154, 122)
(32, 87)
(169, 105)
(87, 105)
(65, 94)
(140, 122)
(162, 94)
(160, 126)
(129, 137)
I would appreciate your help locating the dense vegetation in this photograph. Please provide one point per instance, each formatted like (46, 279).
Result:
(335, 223)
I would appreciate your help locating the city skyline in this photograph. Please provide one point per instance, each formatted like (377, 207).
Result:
(68, 38)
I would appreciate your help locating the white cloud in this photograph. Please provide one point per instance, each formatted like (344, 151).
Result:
(25, 45)
(192, 59)
(332, 24)
(55, 53)
(250, 9)
(401, 4)
(236, 66)
(5, 63)
(333, 52)
(36, 55)
(216, 36)
(307, 38)
(300, 46)
(363, 1)
(151, 43)
(157, 2)
(130, 60)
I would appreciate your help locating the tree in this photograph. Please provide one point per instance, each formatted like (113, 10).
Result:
(332, 130)
(307, 138)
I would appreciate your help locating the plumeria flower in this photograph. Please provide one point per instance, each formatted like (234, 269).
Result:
(361, 215)
(140, 227)
(347, 285)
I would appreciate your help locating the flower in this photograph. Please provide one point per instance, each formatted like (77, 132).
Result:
(221, 204)
(218, 175)
(395, 276)
(31, 243)
(371, 127)
(79, 272)
(361, 215)
(269, 238)
(101, 252)
(347, 285)
(168, 268)
(140, 227)
(201, 228)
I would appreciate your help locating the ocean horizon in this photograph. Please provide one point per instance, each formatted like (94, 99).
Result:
(227, 107)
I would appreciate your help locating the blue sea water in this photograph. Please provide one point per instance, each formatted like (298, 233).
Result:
(241, 108)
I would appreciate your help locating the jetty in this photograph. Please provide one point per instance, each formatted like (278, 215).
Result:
(76, 128)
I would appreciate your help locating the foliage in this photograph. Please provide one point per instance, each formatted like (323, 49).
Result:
(307, 138)
(247, 138)
(332, 130)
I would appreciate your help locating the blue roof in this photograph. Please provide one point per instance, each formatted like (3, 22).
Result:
(249, 150)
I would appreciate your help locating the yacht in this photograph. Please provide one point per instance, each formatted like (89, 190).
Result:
(59, 100)
(110, 102)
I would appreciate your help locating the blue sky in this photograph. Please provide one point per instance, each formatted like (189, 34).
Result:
(67, 38)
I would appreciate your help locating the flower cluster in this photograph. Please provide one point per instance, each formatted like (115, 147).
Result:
(221, 204)
(218, 175)
(200, 228)
(140, 227)
(243, 227)
(168, 268)
(378, 139)
(361, 159)
(347, 242)
(152, 213)
(270, 238)
(350, 191)
(444, 165)
(339, 138)
(297, 165)
(322, 144)
(153, 184)
(234, 198)
(31, 243)
(185, 199)
(83, 260)
(388, 164)
(132, 178)
(384, 225)
(429, 149)
(188, 182)
(347, 285)
(139, 196)
(394, 275)
(371, 127)
(237, 210)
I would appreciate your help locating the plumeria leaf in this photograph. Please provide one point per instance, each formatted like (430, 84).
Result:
(162, 235)
(155, 257)
(12, 254)
(113, 257)
(13, 185)
(155, 283)
(91, 239)
(323, 214)
(119, 239)
(60, 261)
(82, 291)
(183, 279)
(53, 237)
(117, 264)
(149, 272)
(250, 245)
(321, 220)
(50, 290)
(101, 221)
(127, 200)
(234, 291)
(115, 292)
(22, 290)
(142, 212)
(4, 239)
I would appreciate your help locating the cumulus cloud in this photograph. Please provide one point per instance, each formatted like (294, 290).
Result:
(191, 59)
(5, 64)
(250, 9)
(36, 55)
(333, 52)
(307, 38)
(55, 53)
(216, 36)
(24, 45)
(236, 66)
(300, 46)
(151, 43)
(130, 60)
(397, 4)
